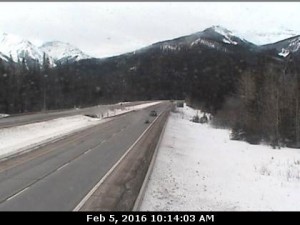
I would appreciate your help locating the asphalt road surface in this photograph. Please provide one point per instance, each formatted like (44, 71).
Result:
(57, 176)
(22, 119)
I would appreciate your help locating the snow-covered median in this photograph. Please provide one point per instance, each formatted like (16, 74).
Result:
(20, 138)
(3, 115)
(199, 168)
(15, 139)
(128, 109)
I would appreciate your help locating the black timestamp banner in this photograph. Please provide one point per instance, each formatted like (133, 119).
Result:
(150, 217)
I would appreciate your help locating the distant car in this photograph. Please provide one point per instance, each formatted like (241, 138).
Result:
(92, 115)
(153, 113)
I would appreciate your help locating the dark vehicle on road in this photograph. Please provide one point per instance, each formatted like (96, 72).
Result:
(153, 113)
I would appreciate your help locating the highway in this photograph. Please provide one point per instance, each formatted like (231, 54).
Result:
(22, 119)
(56, 177)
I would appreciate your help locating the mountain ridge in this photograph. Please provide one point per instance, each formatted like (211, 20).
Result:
(212, 37)
(62, 52)
(215, 37)
(14, 48)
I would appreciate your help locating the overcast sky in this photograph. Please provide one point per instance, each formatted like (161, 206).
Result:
(103, 29)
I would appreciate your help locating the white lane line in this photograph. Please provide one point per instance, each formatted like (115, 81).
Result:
(85, 199)
(15, 195)
(89, 150)
(62, 166)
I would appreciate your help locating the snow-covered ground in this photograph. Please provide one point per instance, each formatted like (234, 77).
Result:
(20, 138)
(3, 115)
(199, 168)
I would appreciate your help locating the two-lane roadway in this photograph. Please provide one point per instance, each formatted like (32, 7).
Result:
(56, 177)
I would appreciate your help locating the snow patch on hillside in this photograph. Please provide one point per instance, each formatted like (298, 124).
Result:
(226, 34)
(167, 47)
(294, 45)
(208, 43)
(284, 53)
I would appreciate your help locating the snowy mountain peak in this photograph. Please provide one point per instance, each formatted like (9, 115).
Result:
(18, 48)
(228, 36)
(221, 30)
(62, 52)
